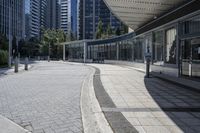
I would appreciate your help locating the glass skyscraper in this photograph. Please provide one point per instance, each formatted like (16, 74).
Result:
(91, 11)
(32, 17)
(74, 18)
(41, 14)
(14, 10)
(64, 24)
(53, 14)
(69, 17)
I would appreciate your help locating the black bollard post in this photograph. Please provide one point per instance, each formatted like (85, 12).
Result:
(147, 68)
(148, 61)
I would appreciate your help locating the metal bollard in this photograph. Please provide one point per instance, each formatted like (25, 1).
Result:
(26, 64)
(148, 61)
(147, 68)
(16, 64)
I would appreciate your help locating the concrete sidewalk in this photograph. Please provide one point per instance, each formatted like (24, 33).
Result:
(132, 103)
(7, 126)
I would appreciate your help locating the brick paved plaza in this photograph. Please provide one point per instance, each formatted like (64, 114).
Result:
(45, 99)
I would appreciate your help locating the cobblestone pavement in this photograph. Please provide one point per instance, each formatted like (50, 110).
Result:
(150, 105)
(45, 99)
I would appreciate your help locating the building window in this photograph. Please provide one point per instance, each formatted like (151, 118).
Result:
(171, 46)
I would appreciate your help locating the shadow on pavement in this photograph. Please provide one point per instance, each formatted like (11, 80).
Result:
(181, 105)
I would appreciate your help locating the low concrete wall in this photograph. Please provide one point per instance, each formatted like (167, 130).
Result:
(172, 71)
(75, 60)
(128, 63)
(80, 60)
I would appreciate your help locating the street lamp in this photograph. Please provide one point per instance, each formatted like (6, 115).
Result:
(10, 36)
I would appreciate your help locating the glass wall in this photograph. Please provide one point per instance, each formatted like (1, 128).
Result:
(125, 50)
(148, 43)
(76, 51)
(138, 49)
(170, 48)
(158, 39)
(190, 26)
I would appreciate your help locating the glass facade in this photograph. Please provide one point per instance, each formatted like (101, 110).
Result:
(74, 18)
(170, 47)
(158, 38)
(170, 51)
(76, 51)
(14, 10)
(64, 24)
(91, 11)
(190, 47)
(190, 26)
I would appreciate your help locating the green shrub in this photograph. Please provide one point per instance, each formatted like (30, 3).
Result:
(3, 57)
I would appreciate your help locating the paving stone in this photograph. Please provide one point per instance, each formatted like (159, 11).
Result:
(160, 105)
(157, 129)
(45, 98)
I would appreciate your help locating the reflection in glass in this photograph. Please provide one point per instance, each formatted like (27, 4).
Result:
(158, 47)
(171, 46)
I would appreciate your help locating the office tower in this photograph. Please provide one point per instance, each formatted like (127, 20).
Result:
(69, 17)
(41, 14)
(90, 14)
(32, 17)
(74, 19)
(12, 12)
(64, 24)
(53, 14)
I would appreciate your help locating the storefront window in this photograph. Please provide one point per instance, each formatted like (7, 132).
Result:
(138, 49)
(113, 51)
(171, 46)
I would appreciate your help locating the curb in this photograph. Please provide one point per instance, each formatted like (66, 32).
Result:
(93, 118)
(8, 126)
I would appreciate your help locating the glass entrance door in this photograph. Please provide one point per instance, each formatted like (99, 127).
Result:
(186, 55)
(195, 48)
(190, 62)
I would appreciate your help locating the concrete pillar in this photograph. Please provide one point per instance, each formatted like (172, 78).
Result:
(64, 56)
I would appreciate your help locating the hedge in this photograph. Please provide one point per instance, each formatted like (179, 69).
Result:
(3, 57)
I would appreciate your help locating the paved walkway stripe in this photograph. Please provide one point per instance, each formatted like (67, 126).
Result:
(118, 122)
(151, 109)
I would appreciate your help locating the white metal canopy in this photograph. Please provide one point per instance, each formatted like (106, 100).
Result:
(136, 13)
